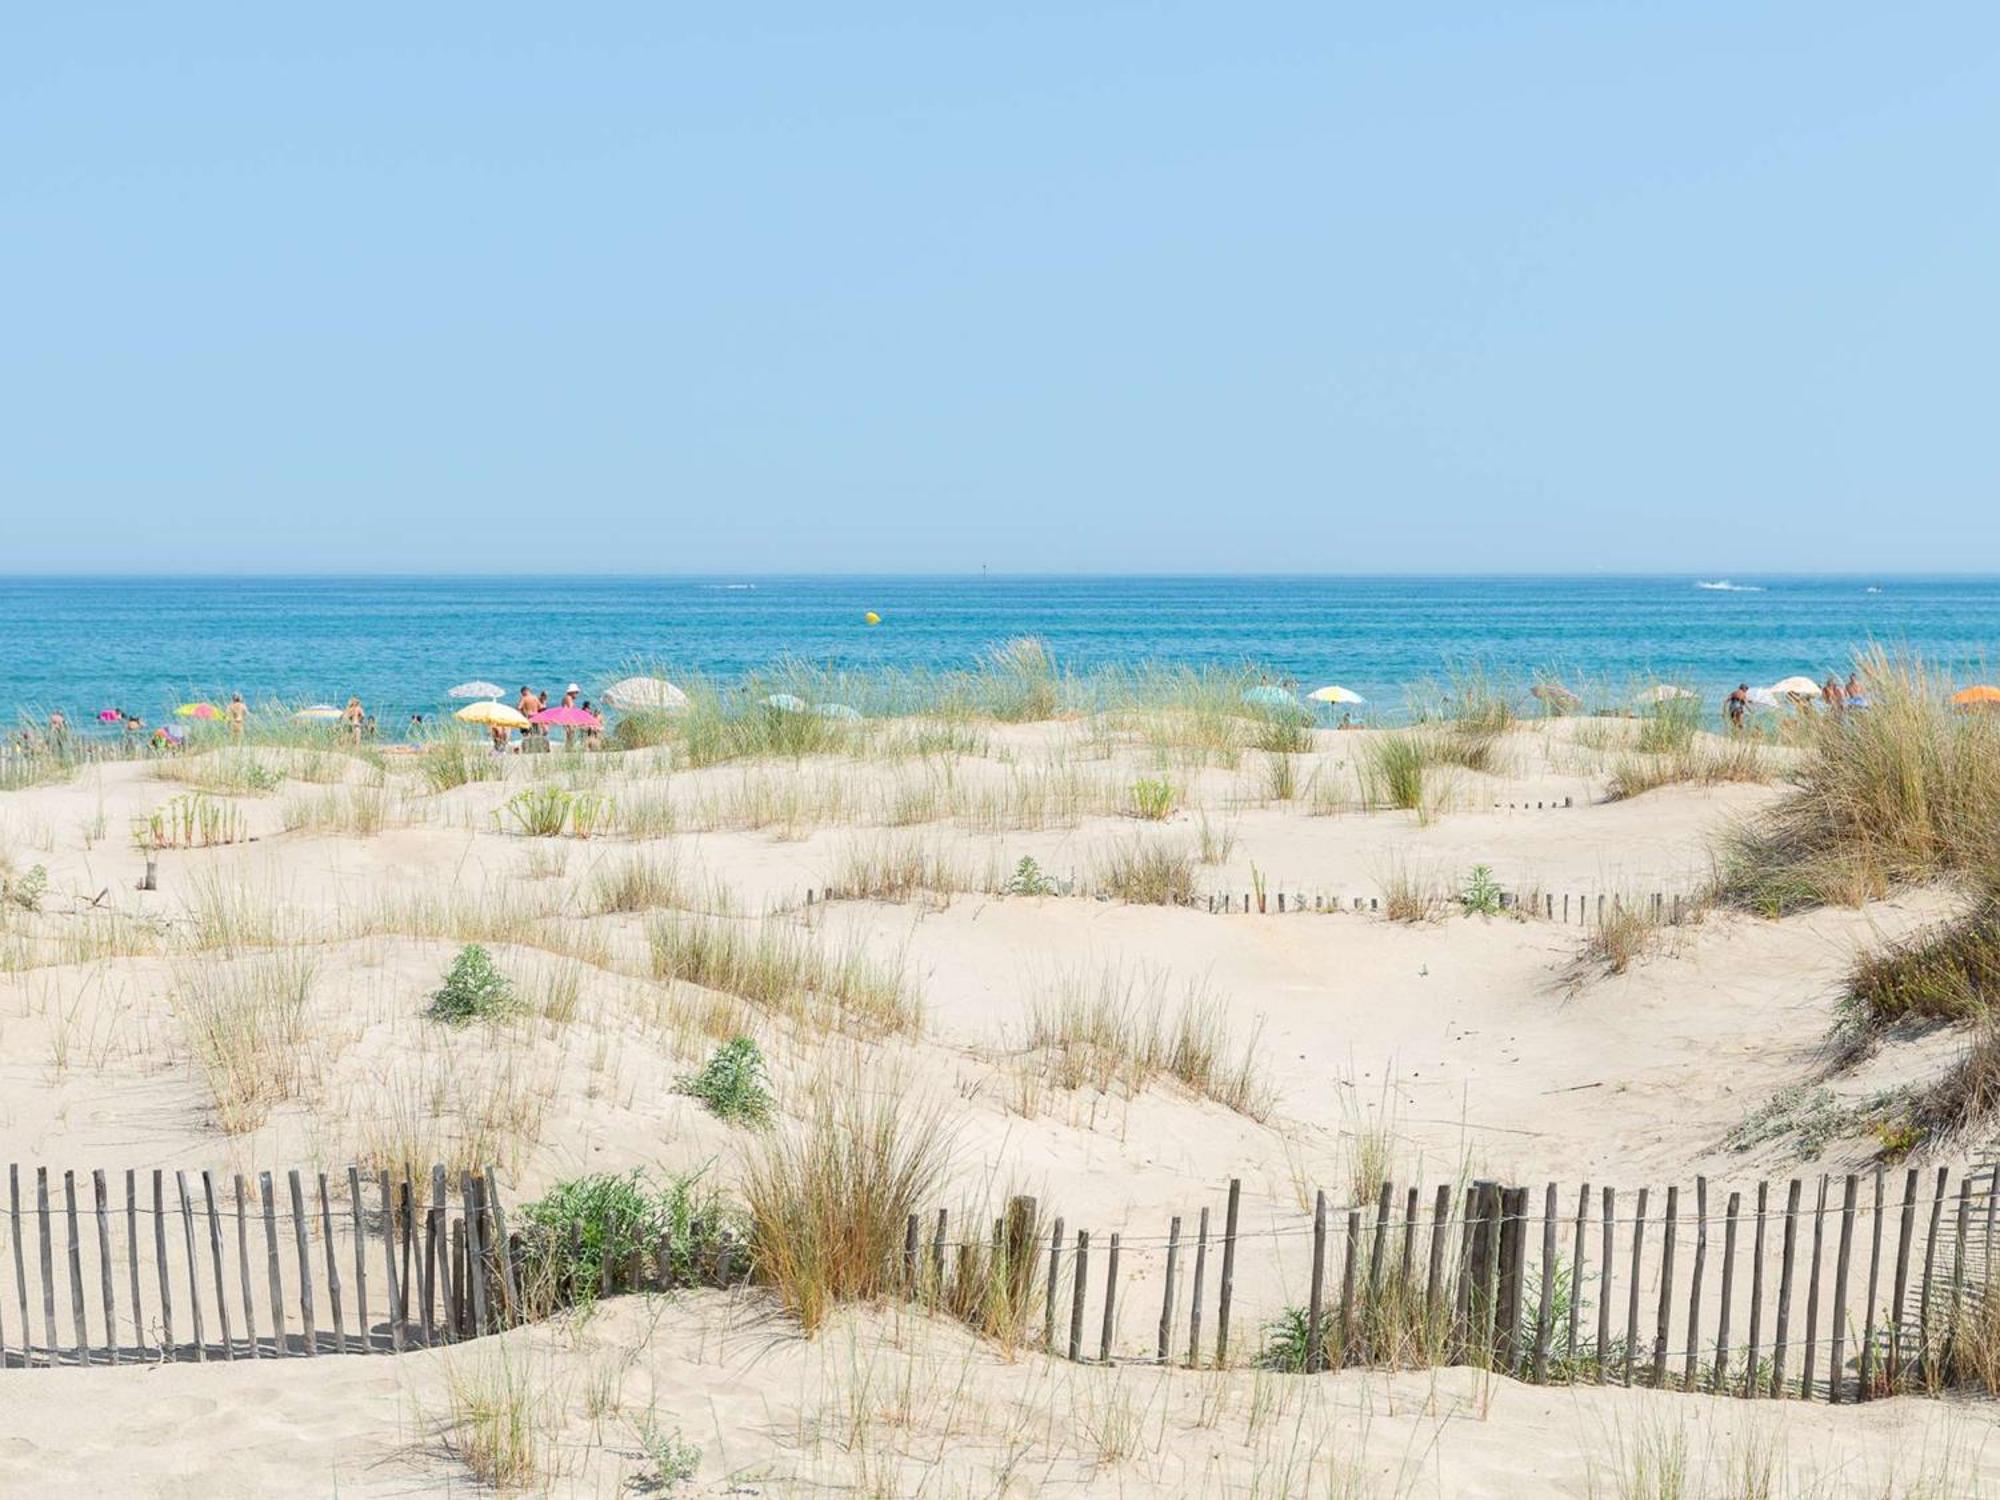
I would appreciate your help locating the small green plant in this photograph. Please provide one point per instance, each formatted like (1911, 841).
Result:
(1393, 770)
(1481, 896)
(26, 890)
(1288, 1340)
(670, 1458)
(1896, 1139)
(473, 990)
(1257, 884)
(541, 812)
(584, 1224)
(732, 1083)
(1152, 798)
(1028, 879)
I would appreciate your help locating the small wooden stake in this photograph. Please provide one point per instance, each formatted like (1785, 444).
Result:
(79, 1325)
(243, 1268)
(1694, 1292)
(160, 1265)
(48, 1261)
(1632, 1297)
(1721, 1381)
(1812, 1295)
(1055, 1269)
(332, 1268)
(307, 1330)
(1781, 1341)
(1874, 1274)
(131, 1266)
(1925, 1364)
(1545, 1313)
(1315, 1297)
(1110, 1300)
(1079, 1270)
(1167, 1288)
(1576, 1271)
(398, 1309)
(1665, 1324)
(1228, 1288)
(1838, 1365)
(20, 1262)
(509, 1276)
(215, 1262)
(1604, 1285)
(1434, 1275)
(1750, 1380)
(194, 1267)
(1908, 1224)
(280, 1340)
(104, 1265)
(1340, 1358)
(1194, 1291)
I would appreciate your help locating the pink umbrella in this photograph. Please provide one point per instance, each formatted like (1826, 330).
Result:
(569, 716)
(108, 716)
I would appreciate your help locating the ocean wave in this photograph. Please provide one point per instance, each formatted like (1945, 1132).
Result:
(1724, 586)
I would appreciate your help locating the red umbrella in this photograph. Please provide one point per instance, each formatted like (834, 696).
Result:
(569, 716)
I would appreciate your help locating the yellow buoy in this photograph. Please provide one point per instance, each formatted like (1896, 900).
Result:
(872, 618)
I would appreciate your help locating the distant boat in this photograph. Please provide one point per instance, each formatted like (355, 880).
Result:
(1724, 586)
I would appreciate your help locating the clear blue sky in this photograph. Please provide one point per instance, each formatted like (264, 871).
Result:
(1311, 287)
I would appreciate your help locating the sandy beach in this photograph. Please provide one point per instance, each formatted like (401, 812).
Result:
(1439, 1047)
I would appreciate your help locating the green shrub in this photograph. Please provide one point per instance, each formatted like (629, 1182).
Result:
(670, 1458)
(583, 1224)
(1481, 896)
(454, 762)
(1393, 771)
(1028, 879)
(541, 812)
(26, 890)
(473, 990)
(732, 1083)
(1152, 798)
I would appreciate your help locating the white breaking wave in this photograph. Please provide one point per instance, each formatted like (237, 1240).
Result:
(1724, 586)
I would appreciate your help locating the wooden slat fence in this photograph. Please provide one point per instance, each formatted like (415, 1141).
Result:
(145, 1266)
(1837, 1287)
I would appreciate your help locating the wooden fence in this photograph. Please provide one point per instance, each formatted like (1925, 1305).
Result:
(1837, 1288)
(1570, 909)
(221, 1270)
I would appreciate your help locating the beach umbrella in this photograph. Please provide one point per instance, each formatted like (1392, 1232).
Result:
(1763, 698)
(1799, 686)
(318, 711)
(108, 716)
(571, 718)
(645, 692)
(197, 711)
(1334, 693)
(476, 690)
(1268, 696)
(172, 735)
(491, 714)
(1979, 695)
(786, 703)
(838, 711)
(1665, 692)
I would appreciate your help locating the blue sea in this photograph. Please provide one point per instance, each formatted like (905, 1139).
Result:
(143, 644)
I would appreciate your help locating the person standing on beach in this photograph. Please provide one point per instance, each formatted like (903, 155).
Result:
(1737, 704)
(1830, 691)
(58, 729)
(237, 714)
(1853, 688)
(352, 717)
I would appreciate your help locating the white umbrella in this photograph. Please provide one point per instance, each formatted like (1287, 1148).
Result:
(839, 711)
(1763, 698)
(1802, 685)
(476, 690)
(1334, 693)
(318, 711)
(1664, 693)
(645, 692)
(786, 703)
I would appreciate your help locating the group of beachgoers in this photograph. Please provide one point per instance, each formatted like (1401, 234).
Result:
(535, 737)
(1836, 695)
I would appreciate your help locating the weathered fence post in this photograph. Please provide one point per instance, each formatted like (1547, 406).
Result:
(1632, 1296)
(1812, 1294)
(1750, 1381)
(1194, 1298)
(1167, 1289)
(1839, 1363)
(1545, 1313)
(1721, 1382)
(1694, 1292)
(1315, 1296)
(1055, 1268)
(1228, 1288)
(1576, 1276)
(1781, 1340)
(1078, 1273)
(1663, 1332)
(1874, 1275)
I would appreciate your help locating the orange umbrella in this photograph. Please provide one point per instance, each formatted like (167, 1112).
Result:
(1979, 695)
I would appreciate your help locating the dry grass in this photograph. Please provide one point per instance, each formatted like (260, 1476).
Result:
(499, 1418)
(904, 869)
(247, 1027)
(1410, 895)
(1146, 873)
(1113, 1029)
(828, 1201)
(1698, 762)
(784, 969)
